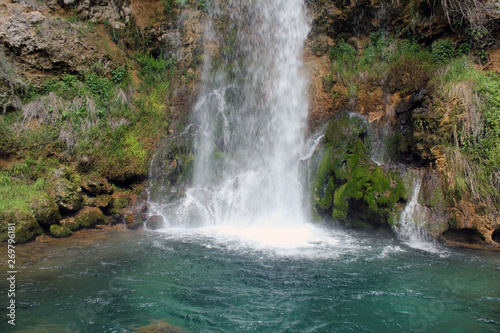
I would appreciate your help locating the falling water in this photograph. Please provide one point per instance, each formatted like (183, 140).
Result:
(412, 223)
(251, 117)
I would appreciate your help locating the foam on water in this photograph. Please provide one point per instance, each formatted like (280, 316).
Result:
(305, 241)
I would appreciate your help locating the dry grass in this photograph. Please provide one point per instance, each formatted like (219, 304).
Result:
(477, 13)
(464, 174)
(464, 109)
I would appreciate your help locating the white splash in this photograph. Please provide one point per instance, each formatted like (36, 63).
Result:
(251, 131)
(411, 227)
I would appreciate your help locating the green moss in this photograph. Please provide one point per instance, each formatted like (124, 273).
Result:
(26, 227)
(340, 202)
(90, 216)
(70, 223)
(323, 186)
(59, 231)
(348, 184)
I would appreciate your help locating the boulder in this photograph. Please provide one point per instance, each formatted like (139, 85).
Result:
(70, 223)
(155, 222)
(90, 216)
(93, 185)
(60, 231)
(134, 222)
(25, 226)
(46, 211)
(68, 195)
(349, 187)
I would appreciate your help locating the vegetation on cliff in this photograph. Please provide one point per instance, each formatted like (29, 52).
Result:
(438, 107)
(99, 119)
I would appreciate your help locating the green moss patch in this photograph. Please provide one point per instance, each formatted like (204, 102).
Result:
(349, 187)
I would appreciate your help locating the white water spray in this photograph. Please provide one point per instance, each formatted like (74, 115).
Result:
(251, 116)
(412, 224)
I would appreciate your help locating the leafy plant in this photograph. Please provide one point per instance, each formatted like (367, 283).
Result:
(442, 51)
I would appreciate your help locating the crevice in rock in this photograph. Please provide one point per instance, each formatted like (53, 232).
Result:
(465, 235)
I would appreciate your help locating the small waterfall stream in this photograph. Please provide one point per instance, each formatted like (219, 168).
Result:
(412, 226)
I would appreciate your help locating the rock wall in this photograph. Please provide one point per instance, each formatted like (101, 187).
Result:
(401, 107)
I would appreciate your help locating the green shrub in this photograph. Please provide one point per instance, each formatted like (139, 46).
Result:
(442, 51)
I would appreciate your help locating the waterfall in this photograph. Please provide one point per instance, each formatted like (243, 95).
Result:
(251, 116)
(411, 227)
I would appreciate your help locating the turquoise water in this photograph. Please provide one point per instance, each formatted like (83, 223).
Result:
(214, 281)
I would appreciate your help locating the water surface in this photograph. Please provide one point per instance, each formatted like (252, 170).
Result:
(217, 280)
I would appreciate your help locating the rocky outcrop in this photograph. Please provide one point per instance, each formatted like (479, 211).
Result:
(42, 44)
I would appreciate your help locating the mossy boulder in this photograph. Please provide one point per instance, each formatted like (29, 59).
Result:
(45, 210)
(90, 216)
(25, 225)
(70, 223)
(60, 231)
(67, 194)
(134, 222)
(93, 185)
(99, 201)
(349, 187)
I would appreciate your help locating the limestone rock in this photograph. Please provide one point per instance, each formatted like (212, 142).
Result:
(134, 222)
(155, 222)
(93, 185)
(26, 227)
(68, 195)
(46, 211)
(60, 231)
(90, 216)
(70, 223)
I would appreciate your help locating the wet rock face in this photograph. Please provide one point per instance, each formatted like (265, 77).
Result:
(349, 187)
(416, 126)
(155, 222)
(171, 169)
(42, 43)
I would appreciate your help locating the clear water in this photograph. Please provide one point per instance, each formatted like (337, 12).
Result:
(214, 280)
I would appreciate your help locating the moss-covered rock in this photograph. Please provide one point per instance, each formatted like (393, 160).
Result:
(99, 201)
(90, 216)
(45, 210)
(67, 194)
(93, 185)
(70, 223)
(59, 231)
(24, 223)
(349, 187)
(172, 169)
